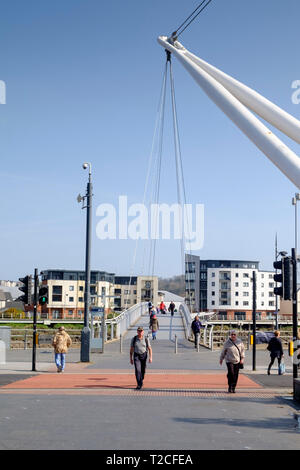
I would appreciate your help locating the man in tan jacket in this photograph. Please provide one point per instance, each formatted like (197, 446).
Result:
(61, 342)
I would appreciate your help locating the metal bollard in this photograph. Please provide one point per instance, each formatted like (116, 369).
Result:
(121, 343)
(176, 345)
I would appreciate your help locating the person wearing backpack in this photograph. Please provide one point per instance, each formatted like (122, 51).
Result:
(154, 326)
(276, 351)
(139, 348)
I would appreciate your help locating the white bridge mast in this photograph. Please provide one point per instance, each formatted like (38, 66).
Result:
(234, 99)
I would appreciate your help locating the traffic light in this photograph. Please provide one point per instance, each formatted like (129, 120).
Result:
(43, 295)
(285, 278)
(27, 289)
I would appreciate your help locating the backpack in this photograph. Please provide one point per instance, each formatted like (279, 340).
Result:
(135, 339)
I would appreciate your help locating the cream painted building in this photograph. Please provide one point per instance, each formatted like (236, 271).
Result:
(114, 293)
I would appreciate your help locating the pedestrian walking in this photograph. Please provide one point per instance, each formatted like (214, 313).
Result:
(153, 311)
(150, 306)
(139, 348)
(234, 354)
(196, 327)
(162, 307)
(154, 326)
(276, 350)
(61, 342)
(171, 308)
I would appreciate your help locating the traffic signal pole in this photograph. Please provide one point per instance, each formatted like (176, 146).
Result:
(35, 300)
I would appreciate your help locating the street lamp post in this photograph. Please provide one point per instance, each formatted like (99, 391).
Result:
(294, 202)
(86, 332)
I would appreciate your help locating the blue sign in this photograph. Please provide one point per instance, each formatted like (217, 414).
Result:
(97, 310)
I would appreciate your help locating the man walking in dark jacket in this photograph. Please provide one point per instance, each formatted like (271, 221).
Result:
(196, 325)
(275, 348)
(171, 308)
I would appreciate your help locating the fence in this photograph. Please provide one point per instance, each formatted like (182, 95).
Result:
(23, 338)
(214, 339)
(114, 328)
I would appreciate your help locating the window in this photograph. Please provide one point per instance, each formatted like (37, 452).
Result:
(71, 299)
(81, 288)
(245, 302)
(236, 294)
(236, 284)
(240, 316)
(236, 274)
(70, 312)
(245, 275)
(213, 284)
(271, 294)
(271, 276)
(271, 284)
(56, 293)
(236, 302)
(213, 274)
(213, 302)
(245, 294)
(224, 285)
(80, 299)
(126, 291)
(245, 284)
(213, 292)
(262, 276)
(271, 304)
(71, 288)
(262, 284)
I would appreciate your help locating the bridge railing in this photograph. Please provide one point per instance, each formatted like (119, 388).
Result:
(187, 320)
(128, 318)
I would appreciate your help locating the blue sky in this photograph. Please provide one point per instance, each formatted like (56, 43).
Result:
(83, 79)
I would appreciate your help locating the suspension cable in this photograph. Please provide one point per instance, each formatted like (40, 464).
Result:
(177, 33)
(179, 175)
(157, 130)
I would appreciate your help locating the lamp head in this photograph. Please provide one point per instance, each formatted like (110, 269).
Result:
(85, 165)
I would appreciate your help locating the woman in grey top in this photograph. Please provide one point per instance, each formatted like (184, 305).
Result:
(139, 348)
(234, 354)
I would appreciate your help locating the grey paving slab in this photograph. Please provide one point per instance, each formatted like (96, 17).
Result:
(63, 422)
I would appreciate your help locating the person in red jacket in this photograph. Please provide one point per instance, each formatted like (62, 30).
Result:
(162, 307)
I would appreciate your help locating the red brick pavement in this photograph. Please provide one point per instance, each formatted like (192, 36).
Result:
(125, 379)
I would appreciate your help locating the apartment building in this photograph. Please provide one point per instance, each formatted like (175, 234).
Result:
(114, 293)
(225, 286)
